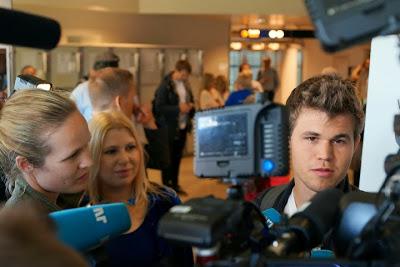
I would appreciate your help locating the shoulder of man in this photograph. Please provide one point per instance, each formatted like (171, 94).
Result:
(80, 88)
(165, 86)
(268, 197)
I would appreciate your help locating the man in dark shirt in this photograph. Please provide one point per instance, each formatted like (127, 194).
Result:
(173, 107)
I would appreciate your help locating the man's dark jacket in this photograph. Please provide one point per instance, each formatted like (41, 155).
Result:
(166, 105)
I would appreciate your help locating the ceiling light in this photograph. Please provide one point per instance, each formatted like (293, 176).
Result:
(258, 46)
(280, 34)
(272, 34)
(254, 33)
(273, 46)
(98, 8)
(236, 45)
(244, 33)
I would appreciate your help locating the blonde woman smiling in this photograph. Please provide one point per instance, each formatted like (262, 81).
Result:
(118, 175)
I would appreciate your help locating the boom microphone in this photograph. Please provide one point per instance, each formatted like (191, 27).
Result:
(307, 228)
(23, 29)
(85, 228)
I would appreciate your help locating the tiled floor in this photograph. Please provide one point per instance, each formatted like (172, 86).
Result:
(195, 187)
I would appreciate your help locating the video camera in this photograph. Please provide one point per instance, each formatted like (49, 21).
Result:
(242, 141)
(342, 23)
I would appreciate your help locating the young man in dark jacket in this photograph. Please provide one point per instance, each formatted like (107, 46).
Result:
(325, 120)
(173, 107)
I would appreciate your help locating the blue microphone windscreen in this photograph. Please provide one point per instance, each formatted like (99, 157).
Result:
(85, 228)
(322, 254)
(272, 216)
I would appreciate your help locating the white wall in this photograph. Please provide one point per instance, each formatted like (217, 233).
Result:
(209, 33)
(288, 74)
(315, 58)
(383, 94)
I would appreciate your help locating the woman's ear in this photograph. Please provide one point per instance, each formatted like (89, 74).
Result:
(117, 103)
(23, 164)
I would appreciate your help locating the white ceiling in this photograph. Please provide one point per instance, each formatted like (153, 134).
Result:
(223, 7)
(288, 14)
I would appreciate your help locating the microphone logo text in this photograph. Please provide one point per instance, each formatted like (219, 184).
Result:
(99, 214)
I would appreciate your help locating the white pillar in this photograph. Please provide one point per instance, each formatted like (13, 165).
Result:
(383, 94)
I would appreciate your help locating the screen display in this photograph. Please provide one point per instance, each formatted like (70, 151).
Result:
(222, 136)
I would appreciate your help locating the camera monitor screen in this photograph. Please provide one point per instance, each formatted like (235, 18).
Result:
(223, 135)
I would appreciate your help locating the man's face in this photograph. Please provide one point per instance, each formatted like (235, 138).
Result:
(321, 149)
(182, 75)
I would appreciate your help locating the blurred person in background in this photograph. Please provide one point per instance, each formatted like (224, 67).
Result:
(173, 107)
(28, 70)
(268, 77)
(222, 86)
(209, 96)
(242, 91)
(360, 76)
(81, 93)
(245, 68)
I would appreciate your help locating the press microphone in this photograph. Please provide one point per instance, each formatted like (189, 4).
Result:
(23, 29)
(272, 217)
(88, 227)
(307, 228)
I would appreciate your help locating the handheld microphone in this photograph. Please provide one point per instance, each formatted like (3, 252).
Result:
(85, 228)
(272, 216)
(307, 228)
(29, 30)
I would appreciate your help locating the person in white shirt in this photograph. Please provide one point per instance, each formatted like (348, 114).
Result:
(80, 94)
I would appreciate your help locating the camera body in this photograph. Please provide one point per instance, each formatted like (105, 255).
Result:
(25, 81)
(342, 23)
(242, 141)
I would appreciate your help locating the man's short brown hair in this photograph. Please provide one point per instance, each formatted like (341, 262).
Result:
(183, 65)
(330, 94)
(107, 84)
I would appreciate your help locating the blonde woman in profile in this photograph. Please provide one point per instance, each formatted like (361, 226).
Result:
(118, 175)
(209, 96)
(43, 149)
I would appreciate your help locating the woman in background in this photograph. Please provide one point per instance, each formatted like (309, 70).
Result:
(221, 84)
(209, 96)
(118, 175)
(43, 149)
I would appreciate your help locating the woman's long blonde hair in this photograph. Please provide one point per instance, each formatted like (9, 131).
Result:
(99, 126)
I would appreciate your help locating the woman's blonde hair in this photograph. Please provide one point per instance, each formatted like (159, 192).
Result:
(25, 120)
(99, 126)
